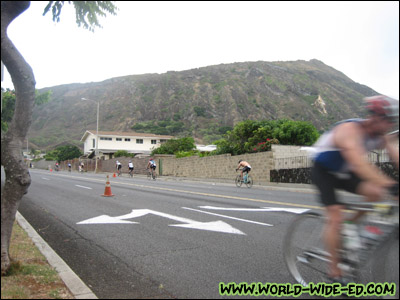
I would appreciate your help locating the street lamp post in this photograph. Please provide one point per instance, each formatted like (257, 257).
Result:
(97, 131)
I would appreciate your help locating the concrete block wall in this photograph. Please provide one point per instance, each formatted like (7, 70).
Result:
(139, 163)
(219, 166)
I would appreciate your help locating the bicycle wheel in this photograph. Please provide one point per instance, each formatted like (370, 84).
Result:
(303, 249)
(249, 182)
(238, 181)
(385, 268)
(154, 175)
(149, 175)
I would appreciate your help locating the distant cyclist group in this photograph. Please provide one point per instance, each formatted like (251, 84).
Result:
(151, 166)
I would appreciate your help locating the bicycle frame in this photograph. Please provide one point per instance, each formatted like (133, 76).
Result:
(151, 174)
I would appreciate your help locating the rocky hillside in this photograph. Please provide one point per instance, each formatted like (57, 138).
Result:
(203, 102)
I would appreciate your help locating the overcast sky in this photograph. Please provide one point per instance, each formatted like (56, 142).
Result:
(360, 39)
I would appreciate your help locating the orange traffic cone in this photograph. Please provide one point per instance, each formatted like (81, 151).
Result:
(107, 191)
(114, 175)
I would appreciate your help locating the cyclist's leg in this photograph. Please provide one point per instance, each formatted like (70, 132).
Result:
(326, 183)
(332, 237)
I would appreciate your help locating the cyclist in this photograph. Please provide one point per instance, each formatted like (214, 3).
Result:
(245, 167)
(340, 163)
(69, 167)
(57, 167)
(130, 166)
(152, 166)
(118, 165)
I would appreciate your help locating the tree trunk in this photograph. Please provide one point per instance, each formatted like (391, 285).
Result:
(17, 178)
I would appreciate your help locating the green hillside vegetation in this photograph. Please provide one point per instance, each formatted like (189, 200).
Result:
(202, 103)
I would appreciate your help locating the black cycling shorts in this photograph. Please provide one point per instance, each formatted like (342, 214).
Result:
(327, 182)
(246, 169)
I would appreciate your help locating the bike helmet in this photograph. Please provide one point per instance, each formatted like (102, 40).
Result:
(383, 106)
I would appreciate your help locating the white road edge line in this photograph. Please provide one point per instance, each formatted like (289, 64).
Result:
(228, 217)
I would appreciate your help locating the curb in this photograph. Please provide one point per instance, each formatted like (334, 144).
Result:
(77, 287)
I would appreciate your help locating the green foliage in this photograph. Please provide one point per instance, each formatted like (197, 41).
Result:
(174, 146)
(200, 111)
(181, 154)
(8, 108)
(63, 153)
(9, 105)
(255, 136)
(123, 153)
(51, 155)
(296, 133)
(86, 12)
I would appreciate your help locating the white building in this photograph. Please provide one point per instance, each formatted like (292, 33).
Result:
(110, 142)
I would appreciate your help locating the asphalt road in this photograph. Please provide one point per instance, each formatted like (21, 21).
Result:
(164, 238)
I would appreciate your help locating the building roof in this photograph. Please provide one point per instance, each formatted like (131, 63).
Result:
(125, 134)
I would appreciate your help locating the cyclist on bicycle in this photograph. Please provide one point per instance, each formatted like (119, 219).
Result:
(340, 163)
(152, 165)
(245, 167)
(118, 166)
(130, 166)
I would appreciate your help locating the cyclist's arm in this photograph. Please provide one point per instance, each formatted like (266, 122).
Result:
(348, 138)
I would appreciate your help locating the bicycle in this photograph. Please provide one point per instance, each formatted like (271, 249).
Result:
(151, 174)
(247, 180)
(130, 173)
(307, 261)
(119, 172)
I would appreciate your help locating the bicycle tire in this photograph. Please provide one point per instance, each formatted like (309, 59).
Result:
(249, 182)
(303, 249)
(238, 181)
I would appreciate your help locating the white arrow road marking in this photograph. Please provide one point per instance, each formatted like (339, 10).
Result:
(84, 187)
(228, 217)
(290, 210)
(104, 219)
(218, 226)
